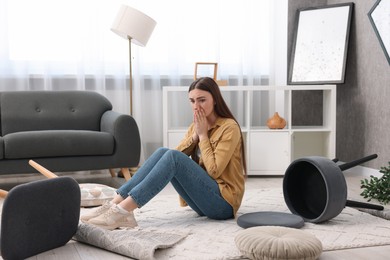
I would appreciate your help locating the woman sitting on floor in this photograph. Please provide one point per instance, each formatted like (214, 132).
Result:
(210, 181)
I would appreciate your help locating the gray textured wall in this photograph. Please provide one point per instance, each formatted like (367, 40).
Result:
(363, 102)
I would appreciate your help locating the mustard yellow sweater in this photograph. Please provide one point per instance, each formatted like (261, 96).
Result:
(220, 156)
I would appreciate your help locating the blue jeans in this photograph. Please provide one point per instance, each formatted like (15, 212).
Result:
(191, 181)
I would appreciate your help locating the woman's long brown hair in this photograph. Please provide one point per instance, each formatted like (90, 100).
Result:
(220, 108)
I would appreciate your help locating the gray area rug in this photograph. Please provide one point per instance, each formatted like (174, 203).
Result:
(182, 234)
(211, 239)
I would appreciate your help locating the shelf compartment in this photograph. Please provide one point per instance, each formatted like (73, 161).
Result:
(269, 151)
(236, 101)
(264, 104)
(305, 144)
(310, 129)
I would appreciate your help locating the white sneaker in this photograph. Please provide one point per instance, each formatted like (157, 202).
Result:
(96, 211)
(113, 219)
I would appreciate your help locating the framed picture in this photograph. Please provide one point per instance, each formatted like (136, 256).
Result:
(203, 68)
(208, 69)
(379, 16)
(320, 45)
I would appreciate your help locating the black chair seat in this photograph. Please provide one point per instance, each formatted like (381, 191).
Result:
(39, 216)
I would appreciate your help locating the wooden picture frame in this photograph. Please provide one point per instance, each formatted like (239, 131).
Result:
(214, 72)
(214, 64)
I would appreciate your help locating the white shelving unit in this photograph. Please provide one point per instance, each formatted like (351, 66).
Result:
(268, 151)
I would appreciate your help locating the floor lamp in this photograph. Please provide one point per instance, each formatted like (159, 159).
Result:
(137, 27)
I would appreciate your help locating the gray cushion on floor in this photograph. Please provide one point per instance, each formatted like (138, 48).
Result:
(270, 218)
(39, 216)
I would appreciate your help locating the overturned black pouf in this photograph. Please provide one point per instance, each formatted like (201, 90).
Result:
(39, 216)
(270, 218)
(314, 188)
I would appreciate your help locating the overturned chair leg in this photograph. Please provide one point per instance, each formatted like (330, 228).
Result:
(92, 194)
(3, 193)
(42, 170)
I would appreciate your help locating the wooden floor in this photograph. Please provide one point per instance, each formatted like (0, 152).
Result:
(74, 250)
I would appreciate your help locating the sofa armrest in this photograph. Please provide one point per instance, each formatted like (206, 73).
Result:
(126, 135)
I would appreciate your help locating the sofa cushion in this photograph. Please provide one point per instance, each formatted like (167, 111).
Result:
(51, 110)
(56, 143)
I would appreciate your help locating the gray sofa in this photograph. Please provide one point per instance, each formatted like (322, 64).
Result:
(65, 131)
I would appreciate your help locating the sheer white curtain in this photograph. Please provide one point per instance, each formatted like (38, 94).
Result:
(61, 45)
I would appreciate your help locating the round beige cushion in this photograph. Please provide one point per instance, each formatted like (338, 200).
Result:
(274, 242)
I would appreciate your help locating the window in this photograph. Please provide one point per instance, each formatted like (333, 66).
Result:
(70, 35)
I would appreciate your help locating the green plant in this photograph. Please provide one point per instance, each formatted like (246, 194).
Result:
(377, 188)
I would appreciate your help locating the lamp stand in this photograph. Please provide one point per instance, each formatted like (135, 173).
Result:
(130, 79)
(124, 172)
(132, 169)
(132, 24)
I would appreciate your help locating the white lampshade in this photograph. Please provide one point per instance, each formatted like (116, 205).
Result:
(133, 24)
